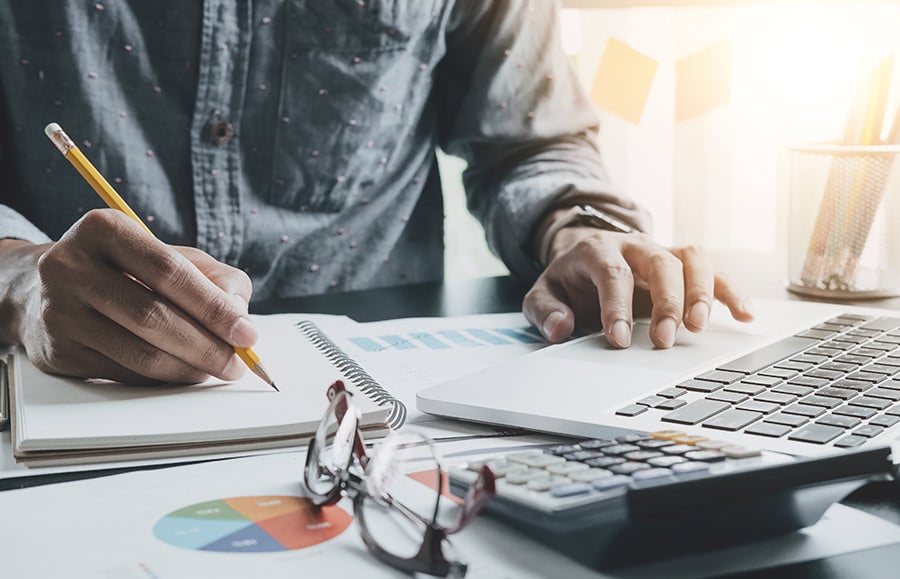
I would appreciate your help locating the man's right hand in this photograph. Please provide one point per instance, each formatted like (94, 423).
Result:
(108, 300)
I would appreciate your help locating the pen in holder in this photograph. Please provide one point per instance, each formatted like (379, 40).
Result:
(844, 221)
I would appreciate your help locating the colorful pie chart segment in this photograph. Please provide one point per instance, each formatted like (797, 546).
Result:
(251, 525)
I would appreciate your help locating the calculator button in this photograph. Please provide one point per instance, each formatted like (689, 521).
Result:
(690, 439)
(582, 455)
(613, 482)
(712, 444)
(535, 459)
(738, 451)
(631, 438)
(620, 449)
(667, 434)
(589, 475)
(666, 461)
(595, 444)
(628, 467)
(566, 467)
(640, 455)
(525, 476)
(545, 484)
(654, 443)
(563, 449)
(690, 467)
(706, 455)
(678, 449)
(604, 462)
(570, 490)
(651, 473)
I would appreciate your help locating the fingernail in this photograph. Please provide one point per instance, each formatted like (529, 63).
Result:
(243, 334)
(665, 332)
(699, 314)
(620, 334)
(234, 369)
(550, 322)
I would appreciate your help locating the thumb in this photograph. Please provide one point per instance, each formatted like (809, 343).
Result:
(548, 313)
(231, 280)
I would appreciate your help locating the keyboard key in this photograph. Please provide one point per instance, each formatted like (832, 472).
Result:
(732, 420)
(858, 385)
(842, 393)
(762, 380)
(868, 431)
(730, 397)
(756, 406)
(826, 374)
(850, 359)
(672, 392)
(857, 411)
(651, 401)
(794, 390)
(850, 441)
(817, 334)
(805, 410)
(866, 376)
(631, 410)
(882, 324)
(723, 376)
(745, 388)
(838, 420)
(768, 355)
(890, 385)
(809, 358)
(830, 352)
(816, 433)
(778, 373)
(885, 421)
(895, 411)
(695, 412)
(809, 382)
(824, 402)
(877, 403)
(671, 404)
(892, 395)
(776, 398)
(768, 429)
(792, 420)
(865, 352)
(877, 368)
(701, 385)
(836, 367)
(798, 366)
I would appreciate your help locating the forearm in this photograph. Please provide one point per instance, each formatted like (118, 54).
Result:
(18, 285)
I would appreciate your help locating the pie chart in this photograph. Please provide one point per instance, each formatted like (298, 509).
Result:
(255, 524)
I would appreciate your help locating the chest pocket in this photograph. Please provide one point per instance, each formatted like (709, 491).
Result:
(347, 68)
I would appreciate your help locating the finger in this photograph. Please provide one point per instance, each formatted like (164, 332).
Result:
(83, 362)
(161, 325)
(545, 309)
(664, 275)
(739, 307)
(699, 283)
(612, 276)
(168, 273)
(232, 280)
(136, 355)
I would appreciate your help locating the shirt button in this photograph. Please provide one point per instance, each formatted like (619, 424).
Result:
(221, 132)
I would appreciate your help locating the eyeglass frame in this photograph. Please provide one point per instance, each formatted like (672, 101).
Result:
(430, 558)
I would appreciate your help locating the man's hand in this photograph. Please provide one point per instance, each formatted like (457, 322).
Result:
(592, 276)
(110, 301)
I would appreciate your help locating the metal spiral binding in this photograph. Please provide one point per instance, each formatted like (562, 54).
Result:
(355, 373)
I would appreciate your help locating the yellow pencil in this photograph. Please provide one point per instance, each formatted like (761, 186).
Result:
(90, 173)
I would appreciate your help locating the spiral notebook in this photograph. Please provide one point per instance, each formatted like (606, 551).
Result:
(59, 421)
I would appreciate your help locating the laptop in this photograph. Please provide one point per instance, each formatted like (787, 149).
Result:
(804, 378)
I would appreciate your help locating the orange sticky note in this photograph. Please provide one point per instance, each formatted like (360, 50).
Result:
(703, 81)
(623, 81)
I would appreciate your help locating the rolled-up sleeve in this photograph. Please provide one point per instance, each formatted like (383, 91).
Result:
(513, 109)
(13, 225)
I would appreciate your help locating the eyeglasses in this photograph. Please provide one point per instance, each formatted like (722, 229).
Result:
(400, 524)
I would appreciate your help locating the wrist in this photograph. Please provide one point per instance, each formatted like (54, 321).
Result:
(18, 286)
(577, 216)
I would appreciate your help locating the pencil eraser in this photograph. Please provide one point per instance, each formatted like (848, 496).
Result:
(52, 128)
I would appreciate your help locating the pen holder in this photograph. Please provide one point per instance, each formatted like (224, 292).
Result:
(844, 238)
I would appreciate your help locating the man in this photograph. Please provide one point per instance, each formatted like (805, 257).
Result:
(291, 144)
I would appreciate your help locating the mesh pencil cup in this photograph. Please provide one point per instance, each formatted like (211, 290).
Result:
(844, 238)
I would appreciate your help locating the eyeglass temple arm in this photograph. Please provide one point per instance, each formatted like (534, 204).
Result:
(340, 410)
(480, 492)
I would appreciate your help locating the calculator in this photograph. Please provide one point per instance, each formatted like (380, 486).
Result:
(651, 495)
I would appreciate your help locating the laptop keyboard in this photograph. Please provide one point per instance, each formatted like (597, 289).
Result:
(836, 383)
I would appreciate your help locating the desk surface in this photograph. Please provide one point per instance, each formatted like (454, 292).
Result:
(753, 272)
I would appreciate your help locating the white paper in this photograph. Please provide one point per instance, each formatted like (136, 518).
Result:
(104, 528)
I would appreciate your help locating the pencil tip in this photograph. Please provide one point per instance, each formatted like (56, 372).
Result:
(264, 376)
(272, 384)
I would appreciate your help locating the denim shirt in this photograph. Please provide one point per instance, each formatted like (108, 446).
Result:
(296, 139)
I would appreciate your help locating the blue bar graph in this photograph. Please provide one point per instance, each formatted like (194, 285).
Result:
(398, 342)
(488, 337)
(459, 338)
(430, 341)
(368, 344)
(520, 336)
